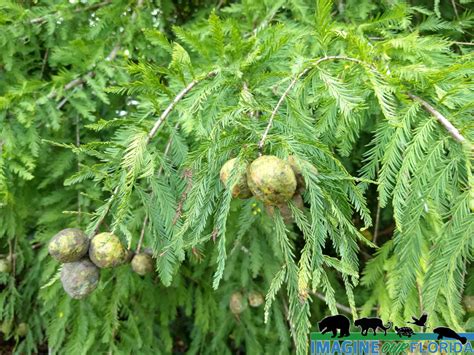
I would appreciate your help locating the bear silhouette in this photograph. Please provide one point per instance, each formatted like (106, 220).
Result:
(371, 323)
(449, 333)
(333, 323)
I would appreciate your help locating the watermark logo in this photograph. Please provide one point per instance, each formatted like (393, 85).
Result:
(334, 337)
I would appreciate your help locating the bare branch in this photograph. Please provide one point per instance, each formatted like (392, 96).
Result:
(441, 119)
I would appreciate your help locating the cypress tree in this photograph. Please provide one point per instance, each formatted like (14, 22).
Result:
(117, 117)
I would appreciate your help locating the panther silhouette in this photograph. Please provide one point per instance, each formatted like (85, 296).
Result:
(371, 323)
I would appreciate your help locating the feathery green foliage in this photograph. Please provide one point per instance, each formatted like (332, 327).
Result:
(118, 116)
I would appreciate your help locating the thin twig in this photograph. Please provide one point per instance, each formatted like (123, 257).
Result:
(292, 327)
(61, 103)
(45, 60)
(78, 143)
(135, 13)
(377, 224)
(14, 255)
(11, 254)
(339, 306)
(441, 119)
(173, 103)
(167, 149)
(262, 25)
(420, 297)
(188, 175)
(275, 110)
(83, 79)
(101, 220)
(142, 233)
(453, 2)
(465, 43)
(15, 244)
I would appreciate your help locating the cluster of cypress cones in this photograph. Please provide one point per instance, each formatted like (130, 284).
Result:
(238, 303)
(83, 257)
(272, 180)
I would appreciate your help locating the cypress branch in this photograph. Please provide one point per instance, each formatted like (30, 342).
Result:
(173, 103)
(441, 119)
(293, 82)
(160, 170)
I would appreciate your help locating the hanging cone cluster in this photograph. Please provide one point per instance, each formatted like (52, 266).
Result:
(238, 303)
(83, 259)
(271, 180)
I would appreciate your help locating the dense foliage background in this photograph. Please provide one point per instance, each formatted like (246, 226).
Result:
(352, 88)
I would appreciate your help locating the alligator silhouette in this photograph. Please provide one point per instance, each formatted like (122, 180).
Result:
(333, 323)
(448, 333)
(371, 323)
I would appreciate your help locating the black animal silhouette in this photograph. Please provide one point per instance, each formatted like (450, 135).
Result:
(420, 321)
(371, 323)
(449, 333)
(404, 331)
(333, 323)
